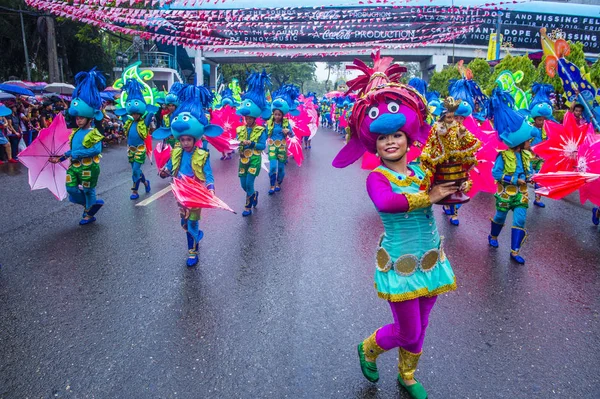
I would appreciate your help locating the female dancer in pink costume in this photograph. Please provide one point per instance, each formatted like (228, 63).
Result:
(411, 267)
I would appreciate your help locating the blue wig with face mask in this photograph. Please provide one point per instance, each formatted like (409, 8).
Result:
(254, 101)
(135, 104)
(189, 119)
(173, 96)
(284, 100)
(420, 85)
(540, 103)
(468, 90)
(86, 101)
(434, 103)
(228, 99)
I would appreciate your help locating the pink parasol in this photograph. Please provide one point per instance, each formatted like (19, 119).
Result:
(557, 185)
(222, 143)
(162, 153)
(227, 119)
(481, 175)
(559, 151)
(589, 161)
(484, 133)
(301, 124)
(333, 94)
(148, 144)
(192, 193)
(52, 141)
(295, 149)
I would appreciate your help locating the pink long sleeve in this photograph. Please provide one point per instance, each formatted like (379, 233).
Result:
(382, 195)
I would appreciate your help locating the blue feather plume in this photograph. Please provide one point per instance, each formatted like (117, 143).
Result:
(541, 94)
(420, 85)
(134, 90)
(191, 99)
(257, 86)
(506, 119)
(88, 86)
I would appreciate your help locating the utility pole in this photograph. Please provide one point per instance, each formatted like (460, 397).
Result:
(25, 46)
(53, 72)
(498, 40)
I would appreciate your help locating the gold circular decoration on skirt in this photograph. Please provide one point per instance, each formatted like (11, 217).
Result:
(511, 189)
(499, 188)
(406, 265)
(383, 259)
(523, 188)
(429, 260)
(247, 153)
(244, 160)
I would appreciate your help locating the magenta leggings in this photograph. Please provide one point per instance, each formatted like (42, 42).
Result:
(410, 322)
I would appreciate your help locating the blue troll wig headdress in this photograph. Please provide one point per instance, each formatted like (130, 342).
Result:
(420, 85)
(464, 109)
(86, 96)
(228, 99)
(284, 100)
(254, 101)
(434, 103)
(189, 119)
(540, 103)
(135, 104)
(173, 96)
(512, 127)
(206, 97)
(314, 97)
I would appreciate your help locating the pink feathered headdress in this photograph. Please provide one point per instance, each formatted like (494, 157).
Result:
(378, 87)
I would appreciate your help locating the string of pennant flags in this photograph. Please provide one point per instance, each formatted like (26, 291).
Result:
(247, 31)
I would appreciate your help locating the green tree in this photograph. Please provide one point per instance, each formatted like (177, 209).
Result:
(595, 73)
(481, 71)
(514, 64)
(439, 80)
(331, 67)
(297, 73)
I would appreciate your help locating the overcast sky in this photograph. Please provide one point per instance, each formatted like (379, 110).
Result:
(322, 73)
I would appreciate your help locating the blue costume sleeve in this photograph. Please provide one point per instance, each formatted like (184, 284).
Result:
(87, 152)
(148, 119)
(498, 169)
(261, 144)
(537, 136)
(169, 166)
(210, 179)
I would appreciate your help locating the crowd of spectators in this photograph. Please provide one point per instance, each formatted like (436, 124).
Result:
(18, 130)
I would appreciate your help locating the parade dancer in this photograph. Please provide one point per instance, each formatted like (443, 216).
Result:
(171, 102)
(411, 267)
(86, 144)
(540, 110)
(252, 137)
(278, 130)
(189, 124)
(512, 171)
(136, 131)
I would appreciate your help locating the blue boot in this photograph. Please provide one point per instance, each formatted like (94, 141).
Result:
(135, 188)
(596, 216)
(447, 210)
(255, 201)
(494, 233)
(148, 188)
(517, 238)
(272, 179)
(248, 206)
(278, 186)
(95, 208)
(192, 259)
(454, 218)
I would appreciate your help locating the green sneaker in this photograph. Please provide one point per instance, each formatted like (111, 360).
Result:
(416, 391)
(369, 369)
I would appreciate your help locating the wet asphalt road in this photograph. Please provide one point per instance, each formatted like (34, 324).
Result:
(280, 300)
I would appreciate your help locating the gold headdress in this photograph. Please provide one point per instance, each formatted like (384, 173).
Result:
(451, 104)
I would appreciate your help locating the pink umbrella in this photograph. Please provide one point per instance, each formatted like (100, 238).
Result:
(481, 175)
(222, 143)
(162, 153)
(51, 142)
(227, 119)
(192, 193)
(295, 149)
(332, 94)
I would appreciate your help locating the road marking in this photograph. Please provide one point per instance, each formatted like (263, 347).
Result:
(155, 196)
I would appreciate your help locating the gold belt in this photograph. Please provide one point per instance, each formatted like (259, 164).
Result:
(407, 265)
(276, 143)
(510, 189)
(86, 161)
(140, 147)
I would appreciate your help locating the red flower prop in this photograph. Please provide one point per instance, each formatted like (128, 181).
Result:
(192, 193)
(227, 119)
(295, 149)
(560, 150)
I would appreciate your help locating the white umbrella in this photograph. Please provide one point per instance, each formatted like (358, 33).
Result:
(60, 88)
(6, 96)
